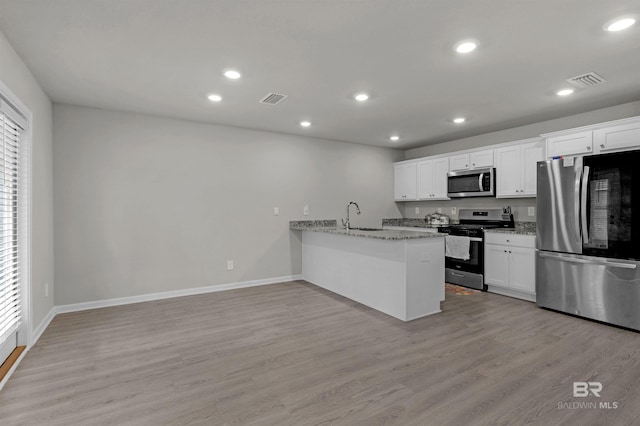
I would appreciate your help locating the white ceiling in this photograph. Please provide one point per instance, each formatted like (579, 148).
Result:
(164, 56)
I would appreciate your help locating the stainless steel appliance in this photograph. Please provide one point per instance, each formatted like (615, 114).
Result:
(588, 237)
(471, 183)
(470, 272)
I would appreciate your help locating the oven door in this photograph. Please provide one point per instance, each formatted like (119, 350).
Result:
(475, 262)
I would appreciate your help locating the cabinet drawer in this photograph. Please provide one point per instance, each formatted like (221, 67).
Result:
(515, 240)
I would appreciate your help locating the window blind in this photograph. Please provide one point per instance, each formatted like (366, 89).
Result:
(11, 126)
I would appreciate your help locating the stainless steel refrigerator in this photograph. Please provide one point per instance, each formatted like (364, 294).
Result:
(588, 237)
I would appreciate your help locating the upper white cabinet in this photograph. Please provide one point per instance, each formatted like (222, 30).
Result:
(481, 159)
(405, 181)
(471, 160)
(579, 143)
(612, 136)
(617, 138)
(516, 169)
(432, 179)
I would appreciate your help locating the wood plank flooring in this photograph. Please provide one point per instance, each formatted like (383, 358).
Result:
(294, 354)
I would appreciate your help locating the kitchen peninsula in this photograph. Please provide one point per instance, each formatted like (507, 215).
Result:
(400, 273)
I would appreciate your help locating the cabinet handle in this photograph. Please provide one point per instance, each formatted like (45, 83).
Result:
(602, 145)
(508, 241)
(509, 251)
(466, 165)
(588, 148)
(505, 251)
(474, 164)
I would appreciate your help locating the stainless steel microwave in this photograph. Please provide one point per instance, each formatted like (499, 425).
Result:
(471, 183)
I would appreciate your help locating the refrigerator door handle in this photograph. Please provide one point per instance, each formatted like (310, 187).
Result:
(577, 203)
(583, 206)
(589, 261)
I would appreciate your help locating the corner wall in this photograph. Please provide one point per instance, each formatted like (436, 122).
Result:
(17, 77)
(146, 204)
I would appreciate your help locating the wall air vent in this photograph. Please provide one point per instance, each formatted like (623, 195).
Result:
(273, 99)
(586, 80)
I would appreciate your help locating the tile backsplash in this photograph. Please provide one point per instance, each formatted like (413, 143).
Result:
(519, 207)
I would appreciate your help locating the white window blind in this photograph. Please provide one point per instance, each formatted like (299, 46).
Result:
(12, 124)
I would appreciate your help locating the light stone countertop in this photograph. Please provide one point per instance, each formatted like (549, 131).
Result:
(519, 230)
(381, 234)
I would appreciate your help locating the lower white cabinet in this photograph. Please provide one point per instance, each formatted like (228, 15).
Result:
(509, 265)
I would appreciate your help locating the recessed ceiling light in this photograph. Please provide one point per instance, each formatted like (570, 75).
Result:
(619, 24)
(394, 138)
(465, 47)
(305, 123)
(214, 98)
(361, 97)
(232, 74)
(459, 120)
(564, 92)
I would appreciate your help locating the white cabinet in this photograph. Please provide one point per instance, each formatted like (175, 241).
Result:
(571, 144)
(471, 160)
(516, 169)
(432, 179)
(481, 159)
(617, 138)
(509, 265)
(459, 162)
(405, 182)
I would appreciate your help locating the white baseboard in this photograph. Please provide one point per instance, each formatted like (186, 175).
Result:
(75, 307)
(37, 332)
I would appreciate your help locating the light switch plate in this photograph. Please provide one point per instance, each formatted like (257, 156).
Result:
(229, 265)
(417, 210)
(439, 209)
(454, 210)
(532, 211)
(305, 210)
(276, 211)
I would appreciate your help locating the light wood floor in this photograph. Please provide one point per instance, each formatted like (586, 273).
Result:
(293, 354)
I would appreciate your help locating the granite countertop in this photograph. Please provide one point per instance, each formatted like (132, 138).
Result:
(522, 228)
(381, 234)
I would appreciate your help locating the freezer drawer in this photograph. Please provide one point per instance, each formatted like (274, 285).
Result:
(606, 290)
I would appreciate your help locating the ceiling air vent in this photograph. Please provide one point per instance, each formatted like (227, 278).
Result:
(273, 99)
(586, 80)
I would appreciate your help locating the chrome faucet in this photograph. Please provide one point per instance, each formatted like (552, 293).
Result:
(347, 223)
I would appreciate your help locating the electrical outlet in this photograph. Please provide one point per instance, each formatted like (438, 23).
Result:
(439, 209)
(276, 211)
(454, 210)
(532, 211)
(417, 210)
(46, 289)
(305, 210)
(229, 265)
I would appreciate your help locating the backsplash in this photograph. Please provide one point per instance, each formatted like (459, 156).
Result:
(519, 207)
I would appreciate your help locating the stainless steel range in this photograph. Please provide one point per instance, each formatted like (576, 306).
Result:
(468, 270)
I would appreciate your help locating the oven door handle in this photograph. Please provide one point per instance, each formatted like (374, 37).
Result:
(474, 239)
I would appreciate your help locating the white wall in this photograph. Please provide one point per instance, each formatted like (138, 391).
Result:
(15, 75)
(146, 204)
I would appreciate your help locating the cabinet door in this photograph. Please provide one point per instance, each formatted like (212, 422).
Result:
(531, 154)
(496, 265)
(405, 181)
(522, 270)
(622, 137)
(508, 171)
(481, 159)
(459, 162)
(425, 180)
(440, 169)
(580, 143)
